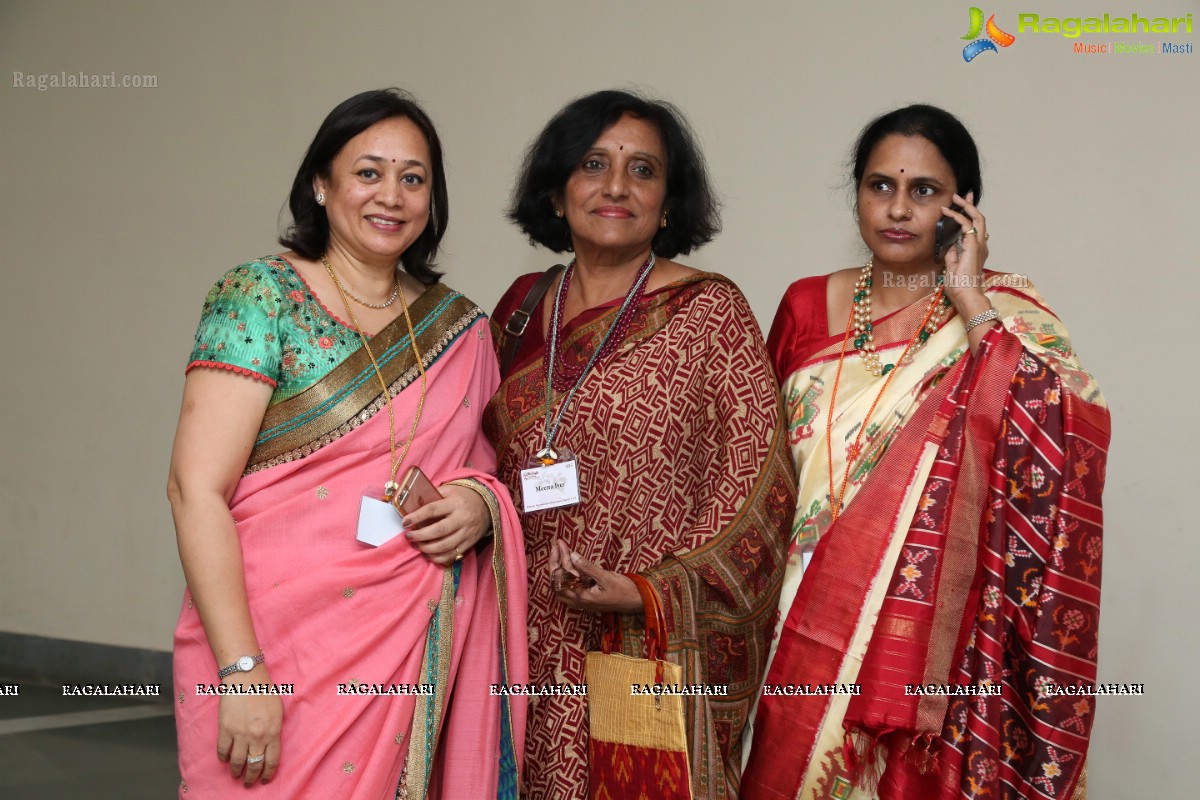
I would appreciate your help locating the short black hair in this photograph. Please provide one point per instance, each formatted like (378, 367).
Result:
(941, 128)
(695, 216)
(308, 234)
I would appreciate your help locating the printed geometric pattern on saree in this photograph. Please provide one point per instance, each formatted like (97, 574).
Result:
(1039, 602)
(685, 479)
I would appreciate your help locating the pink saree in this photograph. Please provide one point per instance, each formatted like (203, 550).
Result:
(353, 628)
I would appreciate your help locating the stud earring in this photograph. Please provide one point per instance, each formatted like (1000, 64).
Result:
(663, 222)
(320, 198)
(558, 212)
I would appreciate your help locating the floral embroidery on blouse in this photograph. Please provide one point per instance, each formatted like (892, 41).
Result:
(261, 319)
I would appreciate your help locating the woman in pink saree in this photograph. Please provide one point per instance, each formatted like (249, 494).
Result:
(329, 646)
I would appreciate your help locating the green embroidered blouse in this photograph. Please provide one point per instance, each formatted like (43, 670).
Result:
(261, 319)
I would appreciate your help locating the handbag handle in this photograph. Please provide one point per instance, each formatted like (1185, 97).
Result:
(655, 641)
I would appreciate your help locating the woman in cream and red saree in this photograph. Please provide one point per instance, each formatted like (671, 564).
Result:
(350, 670)
(684, 478)
(950, 504)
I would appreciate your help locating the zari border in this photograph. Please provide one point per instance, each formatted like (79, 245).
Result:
(350, 394)
(498, 570)
(427, 716)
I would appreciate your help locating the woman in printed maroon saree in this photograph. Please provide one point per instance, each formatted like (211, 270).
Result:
(950, 456)
(683, 472)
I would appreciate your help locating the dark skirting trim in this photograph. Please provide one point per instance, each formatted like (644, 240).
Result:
(46, 661)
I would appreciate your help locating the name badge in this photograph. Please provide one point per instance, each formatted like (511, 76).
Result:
(550, 486)
(378, 522)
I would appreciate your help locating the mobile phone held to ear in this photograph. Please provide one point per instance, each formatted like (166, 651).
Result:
(946, 233)
(415, 491)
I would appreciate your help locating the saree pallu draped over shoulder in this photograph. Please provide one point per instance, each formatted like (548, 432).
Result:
(960, 585)
(685, 479)
(389, 658)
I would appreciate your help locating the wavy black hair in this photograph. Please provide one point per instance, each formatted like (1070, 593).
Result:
(695, 216)
(308, 234)
(940, 127)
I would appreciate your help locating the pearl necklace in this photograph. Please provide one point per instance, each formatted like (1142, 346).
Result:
(860, 322)
(864, 338)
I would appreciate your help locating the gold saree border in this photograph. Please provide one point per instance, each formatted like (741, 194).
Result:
(501, 577)
(350, 395)
(428, 714)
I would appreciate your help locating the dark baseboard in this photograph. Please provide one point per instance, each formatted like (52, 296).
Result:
(46, 661)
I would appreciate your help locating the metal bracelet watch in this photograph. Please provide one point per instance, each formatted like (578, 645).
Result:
(243, 664)
(979, 319)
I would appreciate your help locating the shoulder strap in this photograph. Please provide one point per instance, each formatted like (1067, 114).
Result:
(514, 329)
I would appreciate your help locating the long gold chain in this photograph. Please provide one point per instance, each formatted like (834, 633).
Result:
(391, 487)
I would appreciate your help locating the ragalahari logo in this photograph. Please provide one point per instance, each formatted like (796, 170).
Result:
(995, 36)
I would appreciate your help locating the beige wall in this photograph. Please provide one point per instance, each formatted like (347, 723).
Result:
(119, 207)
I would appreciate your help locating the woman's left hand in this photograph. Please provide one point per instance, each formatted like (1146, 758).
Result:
(964, 267)
(447, 529)
(579, 583)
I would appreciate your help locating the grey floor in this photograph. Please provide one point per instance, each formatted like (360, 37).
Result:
(101, 748)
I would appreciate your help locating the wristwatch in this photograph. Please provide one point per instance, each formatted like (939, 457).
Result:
(243, 664)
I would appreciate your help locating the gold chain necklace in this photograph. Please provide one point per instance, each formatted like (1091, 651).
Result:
(347, 293)
(391, 487)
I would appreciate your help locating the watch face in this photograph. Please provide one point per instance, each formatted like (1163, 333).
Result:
(245, 663)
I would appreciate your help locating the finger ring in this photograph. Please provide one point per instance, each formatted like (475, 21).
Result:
(457, 555)
(255, 759)
(970, 232)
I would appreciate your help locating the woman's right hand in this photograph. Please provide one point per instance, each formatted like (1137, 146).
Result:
(222, 412)
(249, 726)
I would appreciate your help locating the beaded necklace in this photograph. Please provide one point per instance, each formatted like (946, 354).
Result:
(563, 375)
(860, 312)
(860, 322)
(556, 342)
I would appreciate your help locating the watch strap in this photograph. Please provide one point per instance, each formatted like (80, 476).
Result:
(236, 666)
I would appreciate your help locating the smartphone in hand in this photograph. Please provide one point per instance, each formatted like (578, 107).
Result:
(415, 491)
(946, 233)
